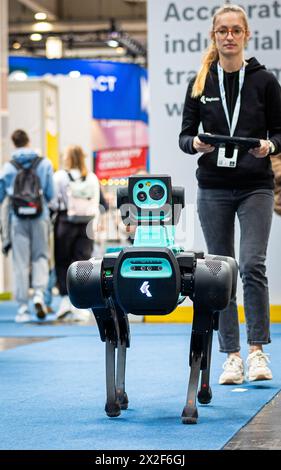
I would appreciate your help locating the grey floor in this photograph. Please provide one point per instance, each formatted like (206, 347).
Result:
(10, 343)
(262, 432)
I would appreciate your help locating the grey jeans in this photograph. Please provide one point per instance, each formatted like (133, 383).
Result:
(217, 209)
(30, 255)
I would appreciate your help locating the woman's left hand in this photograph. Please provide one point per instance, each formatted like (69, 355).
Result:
(262, 151)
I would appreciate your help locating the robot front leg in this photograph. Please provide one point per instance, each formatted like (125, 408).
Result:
(205, 393)
(200, 351)
(122, 396)
(112, 406)
(190, 413)
(109, 333)
(118, 339)
(117, 398)
(122, 345)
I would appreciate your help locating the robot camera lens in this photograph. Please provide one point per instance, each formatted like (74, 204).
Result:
(156, 192)
(142, 196)
(141, 185)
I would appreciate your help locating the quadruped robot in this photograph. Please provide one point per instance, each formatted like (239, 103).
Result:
(152, 277)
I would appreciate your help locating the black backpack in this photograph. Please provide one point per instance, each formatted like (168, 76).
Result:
(27, 199)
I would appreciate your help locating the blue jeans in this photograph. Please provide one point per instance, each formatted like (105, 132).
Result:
(30, 251)
(48, 295)
(217, 209)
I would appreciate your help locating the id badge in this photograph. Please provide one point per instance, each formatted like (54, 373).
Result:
(224, 161)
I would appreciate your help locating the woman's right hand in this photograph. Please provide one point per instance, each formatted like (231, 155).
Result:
(201, 147)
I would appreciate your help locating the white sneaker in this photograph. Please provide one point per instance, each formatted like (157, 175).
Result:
(257, 366)
(64, 309)
(233, 371)
(23, 314)
(80, 314)
(40, 308)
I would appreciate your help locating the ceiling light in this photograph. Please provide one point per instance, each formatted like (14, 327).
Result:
(112, 43)
(16, 45)
(40, 16)
(74, 74)
(120, 50)
(35, 37)
(42, 26)
(53, 47)
(18, 75)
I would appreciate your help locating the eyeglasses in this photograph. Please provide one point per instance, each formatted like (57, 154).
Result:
(236, 32)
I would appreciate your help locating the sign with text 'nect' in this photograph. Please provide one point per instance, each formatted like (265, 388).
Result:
(119, 89)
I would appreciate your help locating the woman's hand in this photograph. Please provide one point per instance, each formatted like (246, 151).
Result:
(201, 147)
(262, 151)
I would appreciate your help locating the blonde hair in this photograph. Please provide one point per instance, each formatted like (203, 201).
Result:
(74, 157)
(211, 53)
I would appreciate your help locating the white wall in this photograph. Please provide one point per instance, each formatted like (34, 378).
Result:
(75, 112)
(22, 101)
(3, 104)
(171, 65)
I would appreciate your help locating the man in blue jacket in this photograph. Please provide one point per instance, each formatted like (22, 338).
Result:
(29, 235)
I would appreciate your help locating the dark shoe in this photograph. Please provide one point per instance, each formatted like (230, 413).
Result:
(39, 306)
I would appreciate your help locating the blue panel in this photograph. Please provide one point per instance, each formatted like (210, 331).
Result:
(144, 92)
(116, 86)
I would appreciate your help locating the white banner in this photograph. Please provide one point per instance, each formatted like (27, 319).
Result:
(178, 33)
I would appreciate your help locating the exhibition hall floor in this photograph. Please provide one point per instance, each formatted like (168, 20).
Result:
(52, 390)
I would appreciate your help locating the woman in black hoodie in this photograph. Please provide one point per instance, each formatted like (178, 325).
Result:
(232, 96)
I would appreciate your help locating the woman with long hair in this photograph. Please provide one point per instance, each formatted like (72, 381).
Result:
(235, 96)
(74, 211)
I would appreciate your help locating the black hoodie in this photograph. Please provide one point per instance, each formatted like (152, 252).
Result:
(260, 117)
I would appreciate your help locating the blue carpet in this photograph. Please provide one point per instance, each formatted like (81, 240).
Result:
(8, 327)
(52, 393)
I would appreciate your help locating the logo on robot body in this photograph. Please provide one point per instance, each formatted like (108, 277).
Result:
(145, 289)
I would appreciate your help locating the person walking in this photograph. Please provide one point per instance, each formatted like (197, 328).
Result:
(232, 95)
(77, 203)
(28, 182)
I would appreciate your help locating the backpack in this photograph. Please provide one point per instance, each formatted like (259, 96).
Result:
(27, 199)
(81, 199)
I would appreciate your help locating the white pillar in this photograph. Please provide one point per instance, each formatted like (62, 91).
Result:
(3, 102)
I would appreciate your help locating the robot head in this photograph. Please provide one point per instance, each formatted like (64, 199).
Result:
(150, 200)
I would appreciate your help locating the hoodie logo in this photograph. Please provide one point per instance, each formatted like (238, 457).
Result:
(205, 99)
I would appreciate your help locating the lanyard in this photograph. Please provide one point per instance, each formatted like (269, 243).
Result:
(236, 111)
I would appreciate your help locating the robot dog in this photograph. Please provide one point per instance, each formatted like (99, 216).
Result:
(152, 277)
